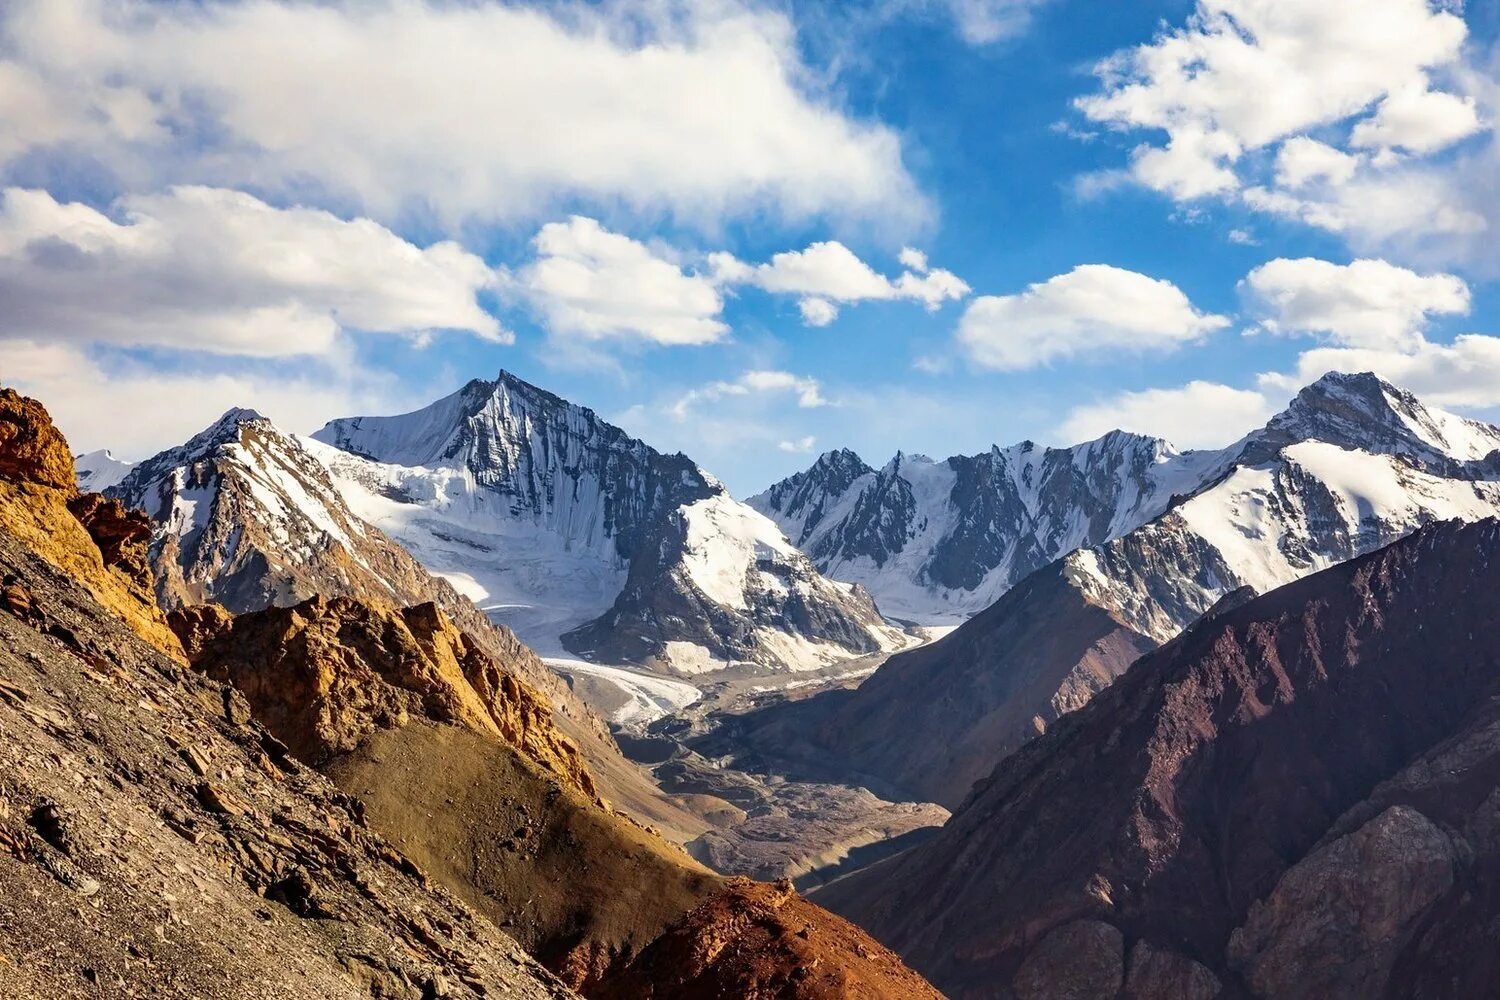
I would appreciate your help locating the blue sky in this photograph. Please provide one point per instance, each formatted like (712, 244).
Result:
(178, 237)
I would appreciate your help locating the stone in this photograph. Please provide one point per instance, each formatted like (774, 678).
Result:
(1081, 960)
(1159, 974)
(1333, 924)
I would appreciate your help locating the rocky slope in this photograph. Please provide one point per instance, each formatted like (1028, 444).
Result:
(931, 722)
(1352, 464)
(759, 942)
(96, 541)
(247, 517)
(566, 527)
(153, 839)
(458, 763)
(1295, 798)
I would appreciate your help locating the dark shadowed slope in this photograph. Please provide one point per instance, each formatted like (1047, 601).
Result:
(1141, 832)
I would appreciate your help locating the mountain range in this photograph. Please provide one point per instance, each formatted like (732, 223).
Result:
(1295, 798)
(1352, 464)
(585, 538)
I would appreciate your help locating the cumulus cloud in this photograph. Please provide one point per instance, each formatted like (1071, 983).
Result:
(462, 110)
(213, 270)
(1196, 415)
(595, 285)
(818, 312)
(804, 389)
(1368, 303)
(1346, 96)
(136, 407)
(1243, 74)
(1093, 309)
(799, 446)
(828, 272)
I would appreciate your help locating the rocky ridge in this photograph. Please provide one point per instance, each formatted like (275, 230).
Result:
(244, 515)
(583, 537)
(1352, 464)
(1296, 798)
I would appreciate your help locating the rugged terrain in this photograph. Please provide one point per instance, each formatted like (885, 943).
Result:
(1352, 464)
(563, 525)
(245, 854)
(154, 839)
(246, 517)
(1296, 798)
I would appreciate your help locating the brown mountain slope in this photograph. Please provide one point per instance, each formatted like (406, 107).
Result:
(459, 765)
(758, 941)
(95, 541)
(1151, 834)
(154, 842)
(246, 517)
(931, 722)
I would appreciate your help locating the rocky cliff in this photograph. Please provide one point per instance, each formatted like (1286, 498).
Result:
(1295, 798)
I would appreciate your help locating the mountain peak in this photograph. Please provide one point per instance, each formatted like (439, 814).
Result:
(1361, 410)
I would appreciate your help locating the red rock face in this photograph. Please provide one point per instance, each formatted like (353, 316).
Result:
(32, 449)
(1173, 806)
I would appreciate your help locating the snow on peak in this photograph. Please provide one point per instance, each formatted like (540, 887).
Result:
(1363, 411)
(97, 471)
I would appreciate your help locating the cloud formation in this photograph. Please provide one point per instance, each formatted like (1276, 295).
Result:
(595, 285)
(136, 408)
(1197, 415)
(206, 269)
(488, 111)
(1092, 310)
(807, 391)
(828, 273)
(1345, 98)
(1368, 303)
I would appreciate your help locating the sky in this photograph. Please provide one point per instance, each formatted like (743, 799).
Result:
(748, 230)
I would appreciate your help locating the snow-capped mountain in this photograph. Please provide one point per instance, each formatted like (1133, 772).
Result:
(1353, 464)
(248, 518)
(573, 532)
(939, 541)
(97, 471)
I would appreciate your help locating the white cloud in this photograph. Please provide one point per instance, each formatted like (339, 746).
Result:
(1196, 415)
(1379, 208)
(1417, 119)
(1243, 237)
(807, 391)
(818, 312)
(799, 446)
(595, 285)
(214, 270)
(1368, 303)
(462, 109)
(913, 259)
(136, 409)
(1302, 160)
(1347, 100)
(1244, 74)
(1092, 309)
(982, 22)
(829, 272)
